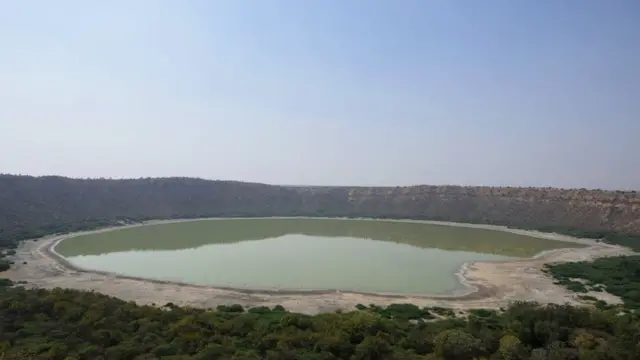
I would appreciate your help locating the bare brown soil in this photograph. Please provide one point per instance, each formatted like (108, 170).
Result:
(490, 284)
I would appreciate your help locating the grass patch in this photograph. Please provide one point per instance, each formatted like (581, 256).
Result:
(632, 242)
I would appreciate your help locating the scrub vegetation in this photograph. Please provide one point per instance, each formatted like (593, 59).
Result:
(617, 275)
(65, 324)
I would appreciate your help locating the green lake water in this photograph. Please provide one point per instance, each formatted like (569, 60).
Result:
(301, 254)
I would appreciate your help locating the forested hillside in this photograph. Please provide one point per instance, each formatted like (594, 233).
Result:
(34, 206)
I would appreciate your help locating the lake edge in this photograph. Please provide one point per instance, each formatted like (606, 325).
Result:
(469, 288)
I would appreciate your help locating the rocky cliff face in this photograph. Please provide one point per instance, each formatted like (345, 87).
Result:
(580, 210)
(32, 206)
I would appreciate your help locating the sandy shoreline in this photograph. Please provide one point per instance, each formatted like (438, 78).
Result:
(489, 284)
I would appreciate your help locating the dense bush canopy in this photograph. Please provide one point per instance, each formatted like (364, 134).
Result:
(67, 324)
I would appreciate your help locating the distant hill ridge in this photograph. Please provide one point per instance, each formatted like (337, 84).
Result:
(33, 206)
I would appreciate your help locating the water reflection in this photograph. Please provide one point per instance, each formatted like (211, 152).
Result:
(185, 235)
(300, 254)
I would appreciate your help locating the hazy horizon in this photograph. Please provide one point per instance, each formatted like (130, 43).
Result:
(311, 185)
(361, 93)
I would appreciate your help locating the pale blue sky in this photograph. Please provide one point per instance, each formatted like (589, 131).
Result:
(497, 92)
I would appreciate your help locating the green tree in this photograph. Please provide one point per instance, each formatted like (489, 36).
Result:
(510, 347)
(456, 345)
(373, 348)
